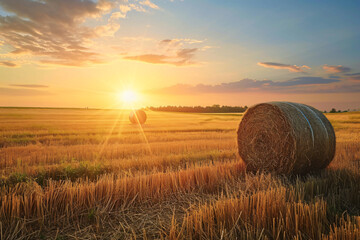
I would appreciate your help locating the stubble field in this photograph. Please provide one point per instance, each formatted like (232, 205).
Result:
(90, 174)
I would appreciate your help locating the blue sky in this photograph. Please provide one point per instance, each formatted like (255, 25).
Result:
(297, 32)
(315, 32)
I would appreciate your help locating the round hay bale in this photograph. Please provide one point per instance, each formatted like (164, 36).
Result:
(137, 116)
(285, 138)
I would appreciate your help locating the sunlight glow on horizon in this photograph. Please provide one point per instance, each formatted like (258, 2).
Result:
(128, 97)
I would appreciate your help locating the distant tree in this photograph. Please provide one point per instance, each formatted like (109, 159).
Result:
(339, 111)
(325, 111)
(333, 110)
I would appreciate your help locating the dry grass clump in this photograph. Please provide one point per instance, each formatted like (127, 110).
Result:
(270, 214)
(65, 197)
(318, 207)
(287, 138)
(347, 229)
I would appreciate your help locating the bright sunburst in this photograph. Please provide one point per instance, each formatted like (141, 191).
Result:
(128, 96)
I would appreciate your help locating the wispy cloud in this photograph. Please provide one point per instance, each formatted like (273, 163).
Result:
(353, 76)
(8, 64)
(291, 68)
(22, 92)
(182, 58)
(336, 69)
(53, 31)
(178, 42)
(171, 51)
(305, 81)
(149, 4)
(246, 85)
(29, 85)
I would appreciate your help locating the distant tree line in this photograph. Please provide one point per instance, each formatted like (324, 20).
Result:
(199, 109)
(333, 110)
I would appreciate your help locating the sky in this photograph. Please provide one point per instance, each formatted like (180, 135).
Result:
(84, 53)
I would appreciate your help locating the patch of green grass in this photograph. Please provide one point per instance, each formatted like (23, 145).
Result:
(92, 214)
(63, 172)
(17, 177)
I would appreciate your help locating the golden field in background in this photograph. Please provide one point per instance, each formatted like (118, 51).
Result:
(91, 174)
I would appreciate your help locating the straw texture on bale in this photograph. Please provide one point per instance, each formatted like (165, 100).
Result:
(137, 116)
(285, 138)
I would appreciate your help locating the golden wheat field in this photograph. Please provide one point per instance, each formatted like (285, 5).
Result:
(91, 174)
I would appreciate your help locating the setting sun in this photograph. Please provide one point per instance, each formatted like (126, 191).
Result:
(128, 96)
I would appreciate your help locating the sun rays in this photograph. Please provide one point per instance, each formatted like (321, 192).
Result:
(128, 99)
